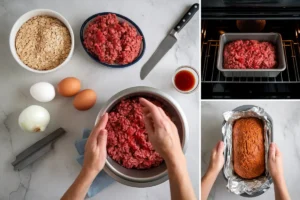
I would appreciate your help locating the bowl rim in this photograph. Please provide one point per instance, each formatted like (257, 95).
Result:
(162, 177)
(142, 51)
(12, 39)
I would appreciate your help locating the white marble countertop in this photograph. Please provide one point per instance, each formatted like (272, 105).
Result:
(48, 178)
(286, 125)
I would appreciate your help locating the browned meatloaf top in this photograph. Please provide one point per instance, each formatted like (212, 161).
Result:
(248, 148)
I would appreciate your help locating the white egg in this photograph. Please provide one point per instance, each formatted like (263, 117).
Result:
(42, 92)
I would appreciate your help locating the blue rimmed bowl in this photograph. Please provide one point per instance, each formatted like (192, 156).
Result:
(121, 19)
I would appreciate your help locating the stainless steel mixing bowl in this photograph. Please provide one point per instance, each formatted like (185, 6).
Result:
(153, 176)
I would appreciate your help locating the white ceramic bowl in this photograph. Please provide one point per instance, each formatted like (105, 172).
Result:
(24, 18)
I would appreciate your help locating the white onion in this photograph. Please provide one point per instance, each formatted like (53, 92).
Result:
(34, 119)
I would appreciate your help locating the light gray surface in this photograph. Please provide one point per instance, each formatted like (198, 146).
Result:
(49, 178)
(286, 124)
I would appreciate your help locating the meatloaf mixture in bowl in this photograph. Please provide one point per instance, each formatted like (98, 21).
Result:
(131, 158)
(112, 40)
(127, 142)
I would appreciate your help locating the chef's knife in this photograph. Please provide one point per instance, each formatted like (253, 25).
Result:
(168, 42)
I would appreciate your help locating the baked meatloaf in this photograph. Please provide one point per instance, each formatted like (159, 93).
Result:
(248, 148)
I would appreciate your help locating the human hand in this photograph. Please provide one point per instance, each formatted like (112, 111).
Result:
(95, 148)
(162, 132)
(275, 162)
(217, 158)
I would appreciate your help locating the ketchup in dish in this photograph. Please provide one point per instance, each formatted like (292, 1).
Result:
(184, 80)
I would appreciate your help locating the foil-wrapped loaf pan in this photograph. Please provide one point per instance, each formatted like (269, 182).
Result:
(236, 184)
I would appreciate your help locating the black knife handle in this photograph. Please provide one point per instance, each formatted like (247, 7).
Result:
(187, 17)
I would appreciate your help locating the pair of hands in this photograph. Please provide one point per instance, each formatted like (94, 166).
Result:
(162, 134)
(274, 160)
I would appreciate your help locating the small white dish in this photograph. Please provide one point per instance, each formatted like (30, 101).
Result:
(24, 18)
(193, 72)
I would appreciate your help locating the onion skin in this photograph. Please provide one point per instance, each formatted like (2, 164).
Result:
(34, 119)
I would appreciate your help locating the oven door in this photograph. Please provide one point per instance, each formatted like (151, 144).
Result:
(218, 18)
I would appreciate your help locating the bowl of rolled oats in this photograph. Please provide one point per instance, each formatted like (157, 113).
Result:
(42, 41)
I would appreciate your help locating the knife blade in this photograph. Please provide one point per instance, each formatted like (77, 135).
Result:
(168, 42)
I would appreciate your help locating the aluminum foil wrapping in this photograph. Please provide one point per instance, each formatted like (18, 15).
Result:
(236, 184)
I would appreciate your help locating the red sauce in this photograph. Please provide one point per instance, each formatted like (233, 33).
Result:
(184, 80)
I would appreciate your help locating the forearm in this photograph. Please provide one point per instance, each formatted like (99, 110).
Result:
(80, 187)
(207, 182)
(180, 183)
(281, 192)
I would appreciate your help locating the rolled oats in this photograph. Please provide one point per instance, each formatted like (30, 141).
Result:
(43, 43)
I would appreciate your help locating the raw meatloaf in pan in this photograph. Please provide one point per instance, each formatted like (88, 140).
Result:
(251, 55)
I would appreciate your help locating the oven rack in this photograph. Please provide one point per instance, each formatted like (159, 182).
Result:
(210, 73)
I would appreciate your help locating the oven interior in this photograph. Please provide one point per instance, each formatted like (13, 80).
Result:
(215, 85)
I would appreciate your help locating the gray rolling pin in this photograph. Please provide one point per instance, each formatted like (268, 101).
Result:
(37, 150)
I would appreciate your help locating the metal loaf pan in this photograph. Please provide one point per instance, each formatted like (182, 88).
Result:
(274, 38)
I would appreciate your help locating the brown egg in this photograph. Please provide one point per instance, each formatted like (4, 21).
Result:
(85, 99)
(69, 86)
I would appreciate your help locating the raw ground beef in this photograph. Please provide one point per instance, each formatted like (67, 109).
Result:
(111, 41)
(127, 141)
(249, 54)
